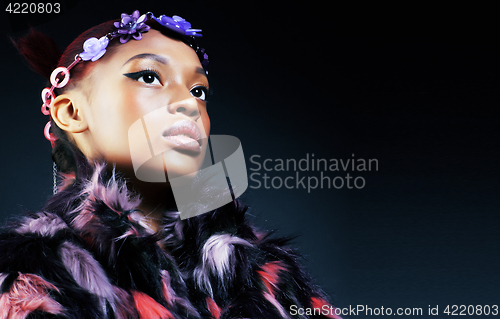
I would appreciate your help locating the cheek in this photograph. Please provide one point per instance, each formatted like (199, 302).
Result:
(206, 122)
(114, 114)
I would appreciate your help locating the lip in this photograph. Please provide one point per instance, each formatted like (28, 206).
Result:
(191, 142)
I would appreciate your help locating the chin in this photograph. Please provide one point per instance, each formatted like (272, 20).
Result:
(179, 163)
(169, 165)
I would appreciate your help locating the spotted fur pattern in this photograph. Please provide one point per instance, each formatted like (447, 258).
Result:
(89, 254)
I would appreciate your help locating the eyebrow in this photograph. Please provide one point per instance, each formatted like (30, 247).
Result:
(160, 59)
(150, 56)
(201, 71)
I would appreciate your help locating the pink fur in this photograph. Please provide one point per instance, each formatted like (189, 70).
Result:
(141, 220)
(216, 259)
(171, 297)
(28, 293)
(114, 194)
(45, 224)
(276, 304)
(125, 308)
(85, 217)
(269, 275)
(2, 278)
(87, 273)
(66, 180)
(132, 231)
(168, 292)
(100, 221)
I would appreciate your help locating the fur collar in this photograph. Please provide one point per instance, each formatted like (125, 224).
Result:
(101, 216)
(90, 241)
(198, 252)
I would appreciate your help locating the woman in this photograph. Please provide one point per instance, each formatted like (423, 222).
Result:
(111, 243)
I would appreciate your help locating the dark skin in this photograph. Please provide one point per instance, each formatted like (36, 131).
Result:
(156, 75)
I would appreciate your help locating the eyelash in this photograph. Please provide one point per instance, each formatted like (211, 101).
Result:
(137, 75)
(206, 91)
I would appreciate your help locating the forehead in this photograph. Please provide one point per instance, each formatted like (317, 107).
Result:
(154, 42)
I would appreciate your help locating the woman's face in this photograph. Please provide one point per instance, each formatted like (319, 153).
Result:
(153, 92)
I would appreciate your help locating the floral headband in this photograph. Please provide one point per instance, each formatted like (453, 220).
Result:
(130, 26)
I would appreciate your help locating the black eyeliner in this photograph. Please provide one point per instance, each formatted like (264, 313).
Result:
(137, 75)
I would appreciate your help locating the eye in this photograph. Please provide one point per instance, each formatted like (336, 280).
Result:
(149, 78)
(200, 92)
(146, 76)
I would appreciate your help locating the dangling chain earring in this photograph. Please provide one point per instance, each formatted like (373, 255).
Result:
(54, 176)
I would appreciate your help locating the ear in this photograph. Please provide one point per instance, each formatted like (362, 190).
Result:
(67, 115)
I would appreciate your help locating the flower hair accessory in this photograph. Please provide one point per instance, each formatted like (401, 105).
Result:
(178, 24)
(130, 26)
(94, 48)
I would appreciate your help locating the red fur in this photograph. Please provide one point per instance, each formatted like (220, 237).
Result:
(213, 308)
(67, 179)
(319, 303)
(28, 293)
(270, 278)
(269, 275)
(148, 308)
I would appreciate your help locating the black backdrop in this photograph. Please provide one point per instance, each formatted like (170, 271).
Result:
(414, 87)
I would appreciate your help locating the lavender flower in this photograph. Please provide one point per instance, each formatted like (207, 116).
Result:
(178, 25)
(132, 26)
(203, 57)
(94, 48)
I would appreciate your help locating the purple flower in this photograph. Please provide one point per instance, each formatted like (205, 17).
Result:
(94, 48)
(178, 25)
(203, 57)
(132, 26)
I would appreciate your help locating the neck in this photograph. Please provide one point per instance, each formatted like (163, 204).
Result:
(156, 199)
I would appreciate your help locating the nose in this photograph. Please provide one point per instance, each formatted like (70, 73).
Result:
(187, 106)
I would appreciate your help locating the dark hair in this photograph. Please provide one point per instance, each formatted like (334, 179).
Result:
(43, 56)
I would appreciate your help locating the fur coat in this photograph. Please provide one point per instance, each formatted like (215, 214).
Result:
(88, 254)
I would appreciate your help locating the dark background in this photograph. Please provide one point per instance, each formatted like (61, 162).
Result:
(413, 86)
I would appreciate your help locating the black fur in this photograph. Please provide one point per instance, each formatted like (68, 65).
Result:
(135, 262)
